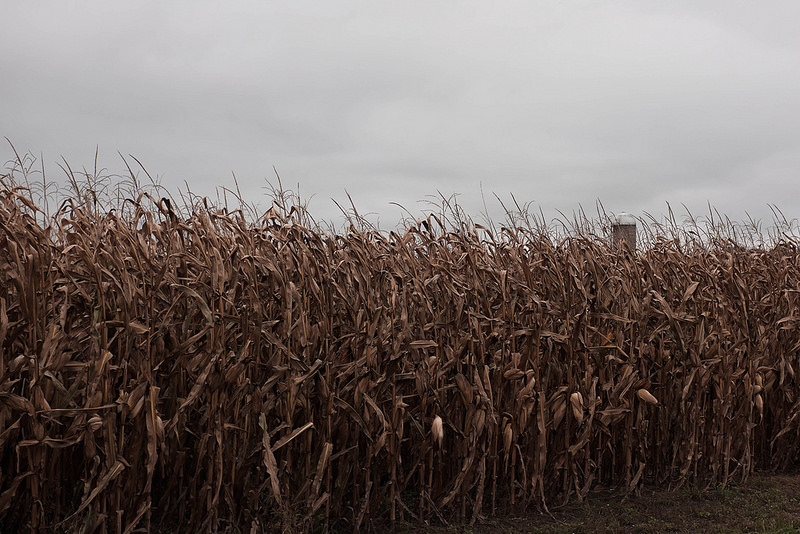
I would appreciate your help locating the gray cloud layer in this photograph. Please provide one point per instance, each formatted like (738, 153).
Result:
(561, 103)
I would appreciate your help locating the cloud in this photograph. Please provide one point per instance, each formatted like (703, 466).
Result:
(561, 103)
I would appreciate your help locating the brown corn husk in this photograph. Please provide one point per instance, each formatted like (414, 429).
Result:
(646, 396)
(437, 430)
(576, 400)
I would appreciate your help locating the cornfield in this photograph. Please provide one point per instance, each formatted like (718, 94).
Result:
(196, 371)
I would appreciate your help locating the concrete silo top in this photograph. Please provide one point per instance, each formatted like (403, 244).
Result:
(626, 219)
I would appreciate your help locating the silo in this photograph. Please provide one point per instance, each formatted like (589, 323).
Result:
(623, 230)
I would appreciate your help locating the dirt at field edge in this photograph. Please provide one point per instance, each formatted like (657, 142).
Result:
(764, 504)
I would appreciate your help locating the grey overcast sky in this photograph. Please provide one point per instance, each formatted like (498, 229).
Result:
(562, 103)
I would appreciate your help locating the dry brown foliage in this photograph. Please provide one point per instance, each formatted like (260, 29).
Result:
(212, 374)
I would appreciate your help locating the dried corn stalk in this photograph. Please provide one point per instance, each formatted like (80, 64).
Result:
(200, 369)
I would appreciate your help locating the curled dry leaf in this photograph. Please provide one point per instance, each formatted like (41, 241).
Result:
(646, 396)
(95, 423)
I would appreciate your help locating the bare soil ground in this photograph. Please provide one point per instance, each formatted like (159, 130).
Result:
(765, 503)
